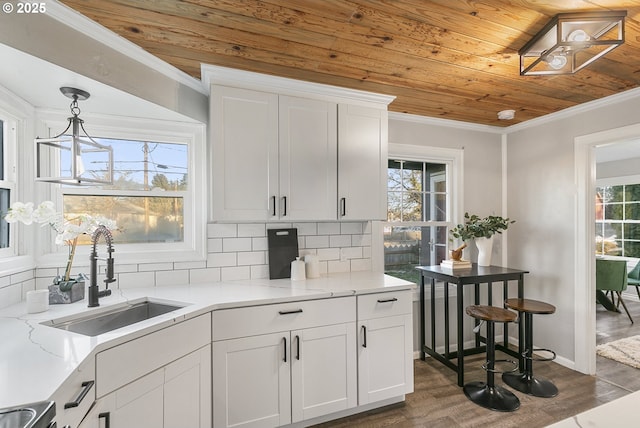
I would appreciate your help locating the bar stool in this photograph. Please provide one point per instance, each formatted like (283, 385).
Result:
(524, 380)
(488, 394)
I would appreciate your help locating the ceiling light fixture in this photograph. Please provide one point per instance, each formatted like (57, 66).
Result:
(506, 114)
(70, 155)
(571, 41)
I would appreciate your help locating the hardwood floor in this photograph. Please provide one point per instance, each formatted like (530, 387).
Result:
(439, 402)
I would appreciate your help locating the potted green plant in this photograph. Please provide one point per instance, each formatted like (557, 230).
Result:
(482, 230)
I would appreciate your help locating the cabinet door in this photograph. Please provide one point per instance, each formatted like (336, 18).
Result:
(385, 365)
(323, 370)
(187, 391)
(244, 133)
(138, 404)
(362, 163)
(308, 159)
(251, 381)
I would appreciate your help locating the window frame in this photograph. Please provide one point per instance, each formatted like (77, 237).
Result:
(618, 181)
(454, 159)
(193, 134)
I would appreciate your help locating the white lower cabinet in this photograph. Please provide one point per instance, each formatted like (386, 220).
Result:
(385, 346)
(287, 375)
(175, 396)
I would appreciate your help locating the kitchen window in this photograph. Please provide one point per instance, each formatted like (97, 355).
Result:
(7, 183)
(156, 198)
(420, 209)
(618, 220)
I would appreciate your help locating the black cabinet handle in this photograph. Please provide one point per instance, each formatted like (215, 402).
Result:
(86, 386)
(297, 347)
(393, 299)
(364, 336)
(284, 206)
(107, 419)
(284, 339)
(295, 311)
(273, 199)
(343, 207)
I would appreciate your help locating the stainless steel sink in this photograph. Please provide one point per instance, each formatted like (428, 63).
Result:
(105, 321)
(35, 415)
(17, 418)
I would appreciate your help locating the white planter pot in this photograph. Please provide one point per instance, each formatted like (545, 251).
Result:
(485, 247)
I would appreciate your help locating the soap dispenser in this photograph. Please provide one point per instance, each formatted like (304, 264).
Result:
(297, 270)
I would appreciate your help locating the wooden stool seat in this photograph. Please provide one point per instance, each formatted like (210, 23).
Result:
(530, 306)
(488, 394)
(524, 381)
(491, 313)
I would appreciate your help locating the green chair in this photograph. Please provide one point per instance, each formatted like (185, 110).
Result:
(633, 278)
(611, 275)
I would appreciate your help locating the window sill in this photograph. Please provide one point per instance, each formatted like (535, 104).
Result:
(12, 265)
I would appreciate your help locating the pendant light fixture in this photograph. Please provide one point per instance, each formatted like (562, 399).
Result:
(571, 41)
(73, 159)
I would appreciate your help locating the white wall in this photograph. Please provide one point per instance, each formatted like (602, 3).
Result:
(541, 192)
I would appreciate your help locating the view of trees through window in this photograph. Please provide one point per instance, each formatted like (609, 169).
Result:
(416, 229)
(618, 220)
(147, 196)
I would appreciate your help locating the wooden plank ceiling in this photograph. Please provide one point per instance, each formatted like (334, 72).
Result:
(452, 59)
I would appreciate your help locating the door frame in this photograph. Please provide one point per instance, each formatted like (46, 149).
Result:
(584, 229)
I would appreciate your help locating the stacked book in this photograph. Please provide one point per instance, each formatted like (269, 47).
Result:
(456, 264)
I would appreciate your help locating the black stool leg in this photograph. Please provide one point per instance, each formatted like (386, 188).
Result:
(524, 381)
(487, 394)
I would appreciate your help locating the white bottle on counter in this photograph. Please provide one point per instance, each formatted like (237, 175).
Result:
(297, 270)
(312, 265)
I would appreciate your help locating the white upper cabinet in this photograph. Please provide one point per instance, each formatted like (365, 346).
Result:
(308, 159)
(244, 132)
(362, 163)
(286, 150)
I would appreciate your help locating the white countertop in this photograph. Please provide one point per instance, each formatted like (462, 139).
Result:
(619, 413)
(36, 359)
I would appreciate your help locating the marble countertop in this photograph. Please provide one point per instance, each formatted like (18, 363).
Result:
(36, 359)
(619, 413)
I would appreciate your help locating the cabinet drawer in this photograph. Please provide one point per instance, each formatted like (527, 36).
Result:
(76, 395)
(255, 320)
(124, 363)
(384, 304)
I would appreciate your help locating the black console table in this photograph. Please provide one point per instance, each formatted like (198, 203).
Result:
(475, 276)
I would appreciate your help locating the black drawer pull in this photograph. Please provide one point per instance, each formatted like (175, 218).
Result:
(107, 419)
(294, 311)
(86, 386)
(364, 336)
(393, 299)
(284, 339)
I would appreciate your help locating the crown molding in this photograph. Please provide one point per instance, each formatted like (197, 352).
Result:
(213, 74)
(92, 29)
(406, 117)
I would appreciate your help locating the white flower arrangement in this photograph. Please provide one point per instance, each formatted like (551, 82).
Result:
(67, 230)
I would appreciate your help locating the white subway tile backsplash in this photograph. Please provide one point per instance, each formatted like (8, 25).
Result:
(173, 278)
(259, 271)
(259, 244)
(305, 229)
(340, 241)
(328, 228)
(200, 276)
(251, 258)
(236, 244)
(350, 228)
(136, 279)
(222, 230)
(234, 273)
(234, 251)
(222, 260)
(252, 230)
(316, 241)
(214, 245)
